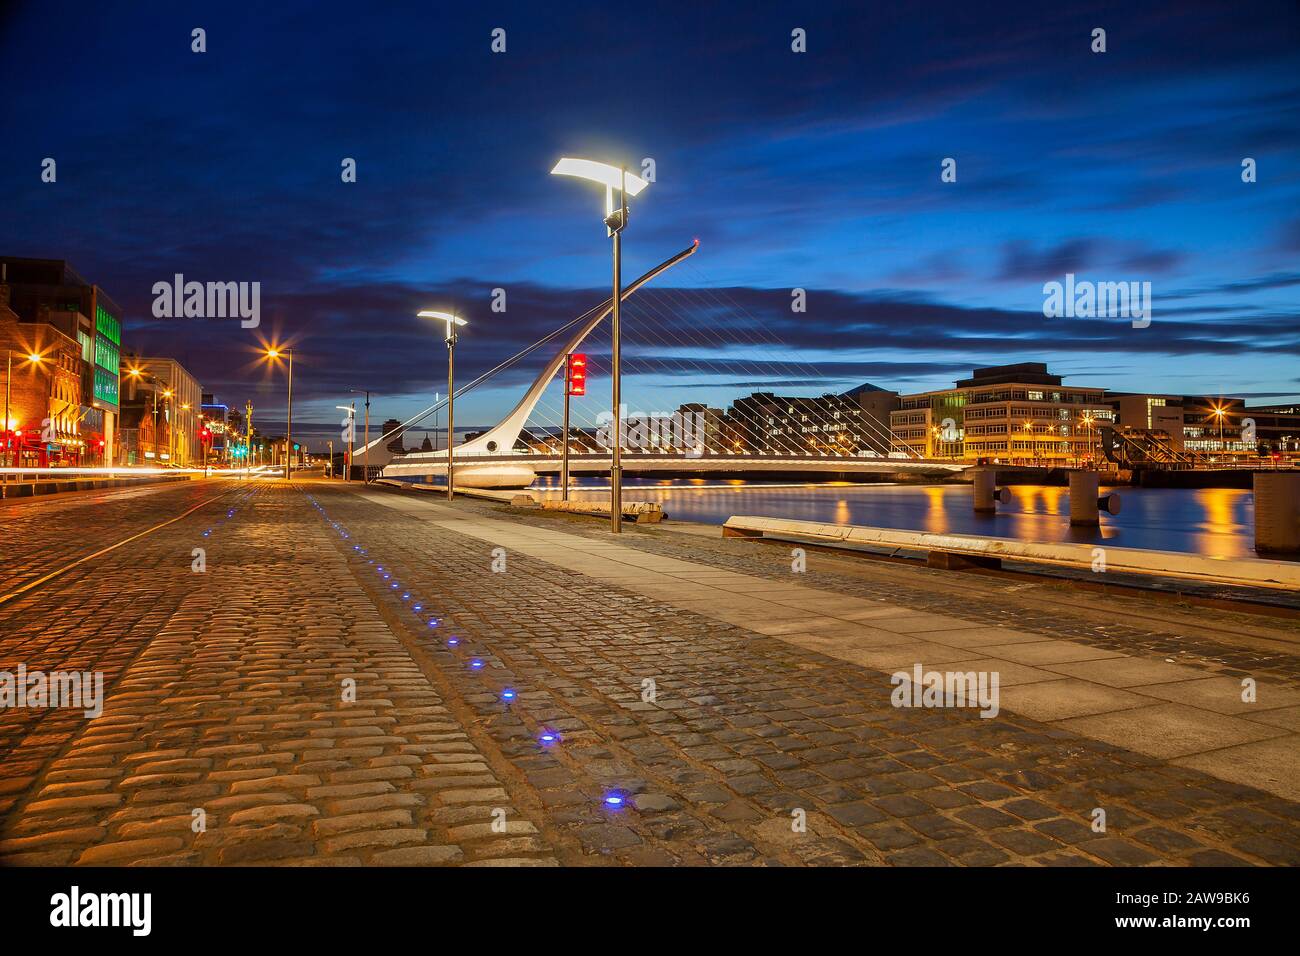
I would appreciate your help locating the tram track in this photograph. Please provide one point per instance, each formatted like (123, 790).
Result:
(12, 592)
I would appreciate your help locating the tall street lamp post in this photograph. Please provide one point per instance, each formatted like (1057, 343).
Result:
(351, 409)
(365, 453)
(273, 354)
(170, 424)
(185, 407)
(611, 178)
(452, 322)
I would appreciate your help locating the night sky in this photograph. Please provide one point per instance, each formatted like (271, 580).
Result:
(818, 170)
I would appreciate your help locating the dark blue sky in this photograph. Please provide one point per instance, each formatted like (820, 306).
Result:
(816, 170)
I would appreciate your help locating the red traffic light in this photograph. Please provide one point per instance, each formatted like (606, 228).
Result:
(577, 374)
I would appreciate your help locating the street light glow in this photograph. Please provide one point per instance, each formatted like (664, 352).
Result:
(445, 316)
(449, 318)
(611, 177)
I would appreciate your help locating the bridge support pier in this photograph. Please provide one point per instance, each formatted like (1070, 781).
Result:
(1083, 498)
(1277, 513)
(1086, 504)
(987, 494)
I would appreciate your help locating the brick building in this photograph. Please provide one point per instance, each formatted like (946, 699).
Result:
(42, 397)
(49, 291)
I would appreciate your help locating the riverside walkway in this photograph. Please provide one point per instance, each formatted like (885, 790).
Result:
(562, 696)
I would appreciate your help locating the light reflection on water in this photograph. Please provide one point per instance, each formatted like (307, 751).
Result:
(1216, 522)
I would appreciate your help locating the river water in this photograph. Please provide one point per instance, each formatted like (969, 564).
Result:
(1216, 522)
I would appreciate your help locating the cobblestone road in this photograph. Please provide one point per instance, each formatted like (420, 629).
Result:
(291, 705)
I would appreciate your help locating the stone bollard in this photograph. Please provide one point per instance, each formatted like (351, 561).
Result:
(1277, 513)
(986, 492)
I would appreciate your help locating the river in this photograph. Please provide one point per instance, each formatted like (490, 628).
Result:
(1216, 522)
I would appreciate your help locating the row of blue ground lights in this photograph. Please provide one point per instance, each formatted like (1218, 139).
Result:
(615, 800)
(229, 514)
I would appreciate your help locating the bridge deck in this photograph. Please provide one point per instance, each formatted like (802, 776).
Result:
(705, 464)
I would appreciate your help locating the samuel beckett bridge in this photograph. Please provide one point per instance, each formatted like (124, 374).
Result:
(698, 333)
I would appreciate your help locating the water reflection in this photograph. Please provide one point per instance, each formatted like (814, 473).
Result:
(1216, 522)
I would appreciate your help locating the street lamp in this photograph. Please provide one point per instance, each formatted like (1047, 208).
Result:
(351, 409)
(138, 374)
(611, 177)
(185, 407)
(273, 354)
(365, 452)
(171, 427)
(1219, 413)
(32, 358)
(452, 321)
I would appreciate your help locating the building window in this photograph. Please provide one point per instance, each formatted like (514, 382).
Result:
(106, 386)
(107, 325)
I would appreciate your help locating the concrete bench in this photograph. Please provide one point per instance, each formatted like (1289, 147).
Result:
(641, 512)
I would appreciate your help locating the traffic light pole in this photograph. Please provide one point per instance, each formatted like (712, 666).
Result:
(288, 424)
(564, 459)
(248, 438)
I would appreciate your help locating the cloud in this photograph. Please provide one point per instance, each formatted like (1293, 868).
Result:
(1289, 236)
(1021, 261)
(818, 170)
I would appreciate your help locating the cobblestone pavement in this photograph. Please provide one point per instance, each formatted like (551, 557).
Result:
(53, 531)
(227, 696)
(226, 712)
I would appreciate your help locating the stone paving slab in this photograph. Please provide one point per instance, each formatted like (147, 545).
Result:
(1176, 730)
(1223, 695)
(1060, 699)
(1272, 762)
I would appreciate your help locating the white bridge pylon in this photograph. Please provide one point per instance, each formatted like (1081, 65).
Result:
(500, 439)
(490, 460)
